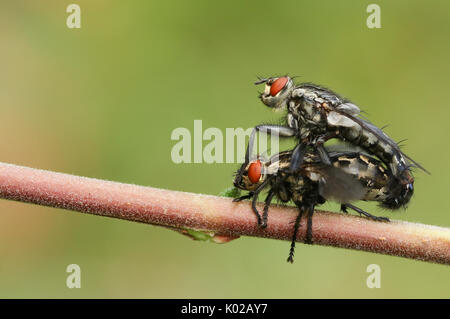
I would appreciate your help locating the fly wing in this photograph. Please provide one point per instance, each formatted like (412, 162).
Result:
(339, 186)
(350, 110)
(365, 124)
(341, 148)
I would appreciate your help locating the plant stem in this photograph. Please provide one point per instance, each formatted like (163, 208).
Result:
(220, 215)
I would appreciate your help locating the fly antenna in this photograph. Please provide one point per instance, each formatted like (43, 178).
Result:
(260, 80)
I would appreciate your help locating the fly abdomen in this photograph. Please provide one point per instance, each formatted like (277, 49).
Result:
(400, 191)
(358, 136)
(371, 179)
(401, 184)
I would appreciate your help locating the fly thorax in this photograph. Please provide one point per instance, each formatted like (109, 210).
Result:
(292, 121)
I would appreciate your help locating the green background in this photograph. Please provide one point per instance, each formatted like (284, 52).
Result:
(102, 101)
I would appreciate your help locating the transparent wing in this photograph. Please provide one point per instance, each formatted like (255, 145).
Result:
(339, 186)
(352, 111)
(344, 148)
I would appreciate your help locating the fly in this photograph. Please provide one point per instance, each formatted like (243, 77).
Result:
(316, 115)
(351, 176)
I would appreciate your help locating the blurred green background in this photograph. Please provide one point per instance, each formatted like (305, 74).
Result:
(102, 101)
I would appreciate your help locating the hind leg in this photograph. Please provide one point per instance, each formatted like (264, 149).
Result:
(362, 212)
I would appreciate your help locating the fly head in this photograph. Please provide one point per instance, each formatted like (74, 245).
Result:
(277, 91)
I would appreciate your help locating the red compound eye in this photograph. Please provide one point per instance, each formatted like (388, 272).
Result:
(278, 85)
(254, 171)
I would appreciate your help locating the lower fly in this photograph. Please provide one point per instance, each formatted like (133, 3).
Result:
(351, 176)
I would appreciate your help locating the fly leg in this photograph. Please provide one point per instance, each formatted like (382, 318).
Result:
(294, 236)
(266, 208)
(297, 157)
(344, 208)
(321, 149)
(361, 212)
(255, 210)
(279, 130)
(308, 239)
(255, 200)
(248, 196)
(299, 151)
(323, 154)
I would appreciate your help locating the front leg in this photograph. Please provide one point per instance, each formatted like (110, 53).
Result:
(282, 131)
(248, 196)
(266, 208)
(256, 192)
(254, 209)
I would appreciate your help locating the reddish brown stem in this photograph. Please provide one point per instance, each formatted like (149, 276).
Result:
(218, 214)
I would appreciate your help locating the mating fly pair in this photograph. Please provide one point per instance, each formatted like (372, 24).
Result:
(314, 116)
